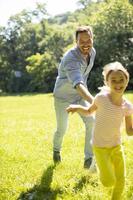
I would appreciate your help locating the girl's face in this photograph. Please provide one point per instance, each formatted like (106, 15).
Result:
(117, 82)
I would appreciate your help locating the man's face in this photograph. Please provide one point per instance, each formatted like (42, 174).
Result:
(85, 42)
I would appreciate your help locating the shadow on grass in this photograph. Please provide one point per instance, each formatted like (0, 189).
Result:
(80, 184)
(42, 191)
(83, 181)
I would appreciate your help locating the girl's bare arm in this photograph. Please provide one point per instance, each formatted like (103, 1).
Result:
(129, 125)
(81, 109)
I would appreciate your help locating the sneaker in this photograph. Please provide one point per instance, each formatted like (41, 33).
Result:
(56, 157)
(87, 163)
(93, 167)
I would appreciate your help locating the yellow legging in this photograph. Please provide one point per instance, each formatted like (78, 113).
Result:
(110, 162)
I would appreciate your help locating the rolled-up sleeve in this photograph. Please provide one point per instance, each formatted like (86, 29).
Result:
(73, 72)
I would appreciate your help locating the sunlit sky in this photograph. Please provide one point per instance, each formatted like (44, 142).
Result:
(54, 7)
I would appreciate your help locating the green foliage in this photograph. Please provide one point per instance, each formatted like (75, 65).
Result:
(41, 69)
(55, 40)
(112, 25)
(27, 170)
(113, 30)
(32, 33)
(59, 19)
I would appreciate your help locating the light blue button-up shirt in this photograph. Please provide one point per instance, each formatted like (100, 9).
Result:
(72, 70)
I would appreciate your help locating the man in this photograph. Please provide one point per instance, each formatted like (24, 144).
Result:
(71, 88)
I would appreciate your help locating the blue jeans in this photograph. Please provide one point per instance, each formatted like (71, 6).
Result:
(62, 124)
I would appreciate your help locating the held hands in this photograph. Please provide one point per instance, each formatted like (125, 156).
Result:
(72, 108)
(77, 108)
(85, 111)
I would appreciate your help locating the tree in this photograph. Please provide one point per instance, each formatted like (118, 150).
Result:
(31, 46)
(112, 26)
(42, 70)
(20, 40)
(84, 3)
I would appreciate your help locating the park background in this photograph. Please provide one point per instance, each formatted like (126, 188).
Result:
(31, 47)
(32, 43)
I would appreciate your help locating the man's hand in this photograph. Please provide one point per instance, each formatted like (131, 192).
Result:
(72, 108)
(77, 108)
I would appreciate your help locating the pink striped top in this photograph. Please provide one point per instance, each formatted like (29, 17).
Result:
(109, 118)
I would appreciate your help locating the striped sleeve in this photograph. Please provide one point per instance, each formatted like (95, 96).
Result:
(97, 99)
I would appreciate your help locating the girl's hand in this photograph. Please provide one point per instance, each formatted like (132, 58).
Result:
(72, 108)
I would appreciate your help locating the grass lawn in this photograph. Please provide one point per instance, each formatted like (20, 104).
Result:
(27, 172)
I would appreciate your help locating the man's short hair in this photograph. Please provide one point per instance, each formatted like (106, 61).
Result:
(82, 29)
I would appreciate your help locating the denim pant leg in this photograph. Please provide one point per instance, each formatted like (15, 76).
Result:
(89, 123)
(62, 123)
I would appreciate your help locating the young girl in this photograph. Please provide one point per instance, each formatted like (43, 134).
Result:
(111, 107)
